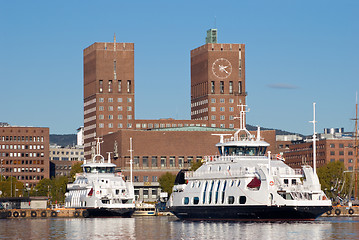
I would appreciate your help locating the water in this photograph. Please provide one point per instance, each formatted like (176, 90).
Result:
(171, 228)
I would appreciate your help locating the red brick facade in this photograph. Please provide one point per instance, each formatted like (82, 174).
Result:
(24, 153)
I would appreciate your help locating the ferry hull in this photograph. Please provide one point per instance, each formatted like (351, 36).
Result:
(250, 213)
(110, 212)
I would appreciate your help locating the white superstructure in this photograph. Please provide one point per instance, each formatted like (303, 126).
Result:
(100, 190)
(245, 183)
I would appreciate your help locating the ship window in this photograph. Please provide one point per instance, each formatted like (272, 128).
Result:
(230, 200)
(87, 169)
(186, 200)
(210, 193)
(204, 192)
(219, 182)
(195, 200)
(199, 184)
(224, 189)
(239, 183)
(232, 183)
(294, 181)
(117, 191)
(219, 168)
(242, 199)
(286, 181)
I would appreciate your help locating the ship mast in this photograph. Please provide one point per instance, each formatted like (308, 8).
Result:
(356, 148)
(314, 142)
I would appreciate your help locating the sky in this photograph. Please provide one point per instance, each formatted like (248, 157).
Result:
(297, 52)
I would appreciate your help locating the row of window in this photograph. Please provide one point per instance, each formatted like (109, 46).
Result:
(22, 177)
(213, 109)
(23, 162)
(230, 200)
(111, 100)
(21, 138)
(18, 170)
(110, 125)
(110, 108)
(144, 179)
(22, 147)
(110, 117)
(163, 161)
(213, 100)
(341, 153)
(341, 145)
(119, 86)
(230, 87)
(67, 153)
(11, 154)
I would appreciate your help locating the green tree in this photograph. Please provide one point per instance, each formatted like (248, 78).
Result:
(17, 187)
(334, 180)
(58, 189)
(76, 168)
(167, 181)
(195, 165)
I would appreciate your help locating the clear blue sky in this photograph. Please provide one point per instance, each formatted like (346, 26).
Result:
(297, 52)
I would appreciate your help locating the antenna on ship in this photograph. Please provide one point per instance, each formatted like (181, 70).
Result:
(314, 142)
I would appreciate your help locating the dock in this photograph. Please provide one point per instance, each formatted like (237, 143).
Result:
(46, 213)
(342, 211)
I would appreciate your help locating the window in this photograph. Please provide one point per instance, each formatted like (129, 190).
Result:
(128, 86)
(224, 190)
(119, 85)
(110, 125)
(154, 179)
(129, 108)
(341, 145)
(110, 116)
(145, 161)
(332, 160)
(154, 161)
(195, 200)
(145, 179)
(101, 99)
(332, 153)
(221, 87)
(231, 109)
(119, 125)
(212, 87)
(180, 161)
(222, 100)
(332, 145)
(172, 161)
(230, 200)
(222, 109)
(163, 161)
(223, 117)
(119, 108)
(136, 161)
(119, 117)
(213, 117)
(230, 87)
(231, 100)
(129, 99)
(213, 109)
(129, 117)
(186, 201)
(341, 153)
(101, 125)
(350, 153)
(242, 199)
(119, 99)
(110, 99)
(109, 85)
(100, 86)
(213, 100)
(239, 87)
(110, 108)
(100, 108)
(101, 117)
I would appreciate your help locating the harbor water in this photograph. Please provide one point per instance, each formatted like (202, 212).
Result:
(169, 227)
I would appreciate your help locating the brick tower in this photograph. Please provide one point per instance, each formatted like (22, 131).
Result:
(217, 82)
(108, 90)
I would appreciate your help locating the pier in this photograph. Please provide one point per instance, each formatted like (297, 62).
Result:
(342, 211)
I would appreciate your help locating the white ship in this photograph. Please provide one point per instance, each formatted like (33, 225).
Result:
(244, 183)
(100, 190)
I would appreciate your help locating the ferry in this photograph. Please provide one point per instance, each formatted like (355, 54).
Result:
(244, 183)
(100, 190)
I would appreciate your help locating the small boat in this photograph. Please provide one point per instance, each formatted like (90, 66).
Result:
(245, 183)
(100, 190)
(145, 210)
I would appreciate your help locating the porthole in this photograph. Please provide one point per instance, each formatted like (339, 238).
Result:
(186, 201)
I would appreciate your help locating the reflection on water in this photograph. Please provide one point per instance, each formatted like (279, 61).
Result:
(171, 228)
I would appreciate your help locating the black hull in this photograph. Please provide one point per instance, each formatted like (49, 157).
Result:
(110, 212)
(249, 213)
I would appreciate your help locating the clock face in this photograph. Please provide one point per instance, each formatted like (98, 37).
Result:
(221, 68)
